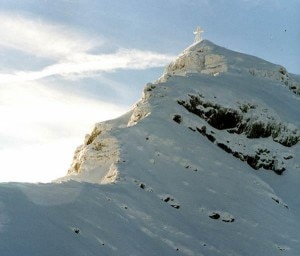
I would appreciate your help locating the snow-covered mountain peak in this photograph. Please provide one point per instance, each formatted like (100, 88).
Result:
(206, 163)
(208, 58)
(225, 95)
(200, 57)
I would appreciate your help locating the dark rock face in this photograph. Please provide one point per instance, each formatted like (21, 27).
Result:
(223, 216)
(259, 130)
(224, 119)
(243, 120)
(215, 216)
(171, 202)
(235, 120)
(261, 159)
(177, 119)
(218, 117)
(257, 162)
(203, 132)
(224, 147)
(229, 220)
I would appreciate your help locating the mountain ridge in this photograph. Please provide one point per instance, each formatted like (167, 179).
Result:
(251, 118)
(207, 162)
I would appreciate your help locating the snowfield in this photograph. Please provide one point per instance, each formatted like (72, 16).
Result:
(206, 163)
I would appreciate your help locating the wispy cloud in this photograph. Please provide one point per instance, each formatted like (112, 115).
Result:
(42, 39)
(68, 48)
(85, 63)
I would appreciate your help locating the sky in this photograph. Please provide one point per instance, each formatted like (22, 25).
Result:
(67, 64)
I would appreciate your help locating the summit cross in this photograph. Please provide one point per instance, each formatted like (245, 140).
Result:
(197, 34)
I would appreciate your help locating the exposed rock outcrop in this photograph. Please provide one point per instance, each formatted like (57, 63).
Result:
(249, 120)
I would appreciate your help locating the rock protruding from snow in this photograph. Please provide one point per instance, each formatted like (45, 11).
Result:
(243, 123)
(199, 58)
(251, 120)
(142, 108)
(95, 160)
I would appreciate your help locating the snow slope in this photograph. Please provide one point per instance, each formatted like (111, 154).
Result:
(206, 163)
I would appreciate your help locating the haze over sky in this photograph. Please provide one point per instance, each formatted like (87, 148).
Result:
(67, 64)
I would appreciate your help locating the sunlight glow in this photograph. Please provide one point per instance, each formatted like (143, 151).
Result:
(43, 127)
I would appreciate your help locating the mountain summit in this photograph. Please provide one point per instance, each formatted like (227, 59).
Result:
(207, 58)
(229, 98)
(207, 162)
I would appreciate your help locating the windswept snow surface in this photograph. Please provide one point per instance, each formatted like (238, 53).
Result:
(175, 175)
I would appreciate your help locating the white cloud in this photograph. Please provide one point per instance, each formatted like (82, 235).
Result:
(42, 39)
(86, 63)
(70, 50)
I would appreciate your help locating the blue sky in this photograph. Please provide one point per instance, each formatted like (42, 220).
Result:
(67, 64)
